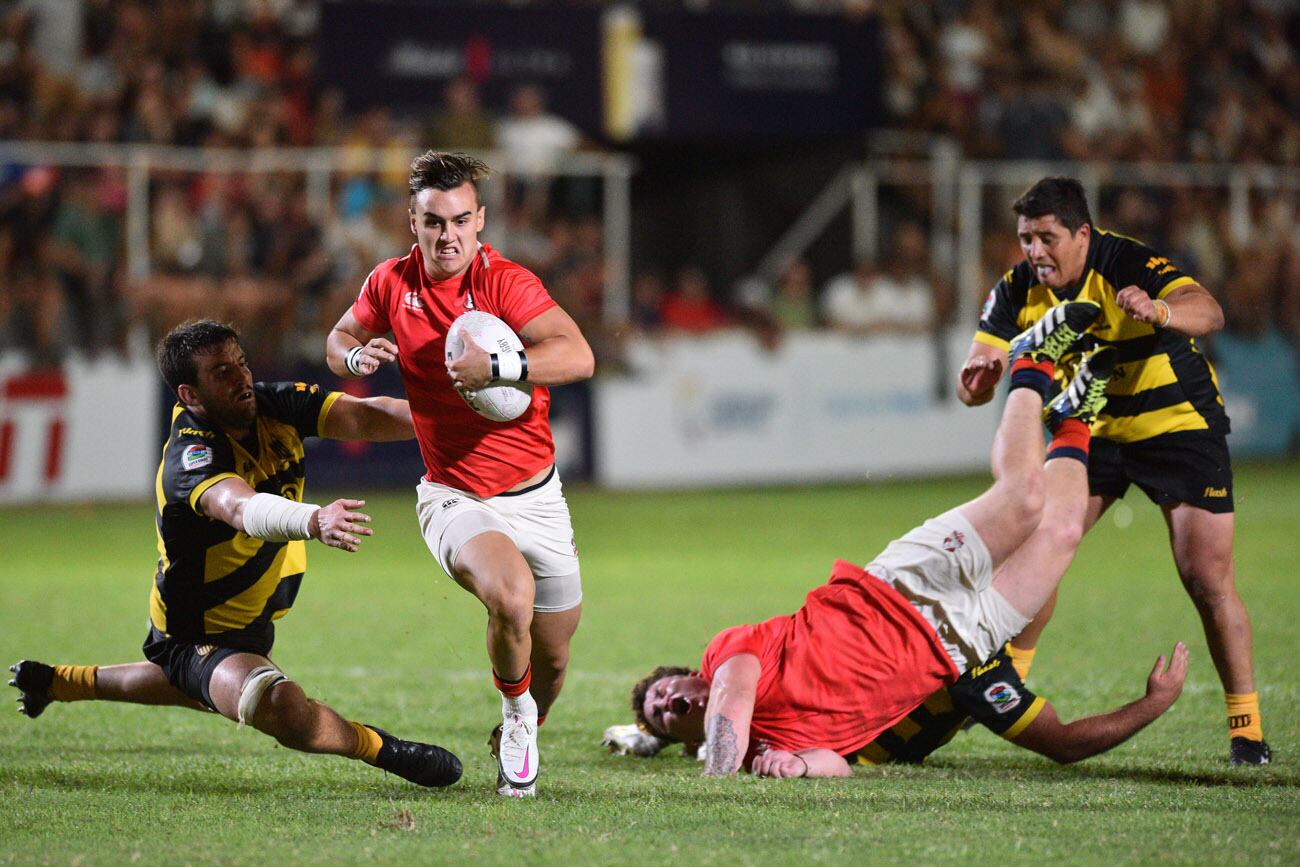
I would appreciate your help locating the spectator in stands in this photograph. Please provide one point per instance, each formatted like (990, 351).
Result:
(534, 141)
(690, 307)
(85, 246)
(793, 306)
(900, 299)
(648, 292)
(461, 123)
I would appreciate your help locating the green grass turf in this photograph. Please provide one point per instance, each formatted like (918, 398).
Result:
(384, 637)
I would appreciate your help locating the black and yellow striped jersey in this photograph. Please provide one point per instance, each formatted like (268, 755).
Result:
(213, 579)
(992, 694)
(1163, 383)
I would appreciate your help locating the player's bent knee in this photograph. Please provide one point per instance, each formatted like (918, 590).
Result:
(257, 683)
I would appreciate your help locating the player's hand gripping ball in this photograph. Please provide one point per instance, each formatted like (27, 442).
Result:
(503, 401)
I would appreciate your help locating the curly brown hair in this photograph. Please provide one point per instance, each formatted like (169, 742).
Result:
(642, 686)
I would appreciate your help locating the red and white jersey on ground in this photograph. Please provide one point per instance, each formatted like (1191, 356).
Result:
(461, 448)
(850, 663)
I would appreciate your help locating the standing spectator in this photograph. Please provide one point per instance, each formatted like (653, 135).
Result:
(461, 122)
(534, 141)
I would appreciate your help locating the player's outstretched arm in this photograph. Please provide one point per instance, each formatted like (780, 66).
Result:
(278, 519)
(557, 352)
(978, 380)
(1070, 742)
(731, 708)
(805, 763)
(352, 351)
(373, 419)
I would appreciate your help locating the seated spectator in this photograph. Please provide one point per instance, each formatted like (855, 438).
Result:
(647, 313)
(690, 307)
(897, 300)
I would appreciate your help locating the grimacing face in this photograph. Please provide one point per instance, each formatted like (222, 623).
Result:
(1056, 254)
(675, 705)
(446, 224)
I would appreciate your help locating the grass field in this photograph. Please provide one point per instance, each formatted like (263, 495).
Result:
(384, 637)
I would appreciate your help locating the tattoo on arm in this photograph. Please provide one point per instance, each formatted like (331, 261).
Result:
(722, 755)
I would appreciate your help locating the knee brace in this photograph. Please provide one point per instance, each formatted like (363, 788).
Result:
(256, 683)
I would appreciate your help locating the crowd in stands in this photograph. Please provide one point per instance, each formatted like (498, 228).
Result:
(1200, 81)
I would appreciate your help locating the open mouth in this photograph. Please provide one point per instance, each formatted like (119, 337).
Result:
(679, 706)
(244, 396)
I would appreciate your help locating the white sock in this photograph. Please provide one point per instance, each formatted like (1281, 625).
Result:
(523, 704)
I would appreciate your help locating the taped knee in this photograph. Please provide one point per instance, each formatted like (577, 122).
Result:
(256, 684)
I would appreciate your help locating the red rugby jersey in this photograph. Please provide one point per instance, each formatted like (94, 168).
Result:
(851, 662)
(461, 448)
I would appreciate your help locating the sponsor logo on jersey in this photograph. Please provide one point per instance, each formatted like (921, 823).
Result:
(1215, 492)
(984, 669)
(411, 301)
(205, 649)
(447, 504)
(988, 304)
(1002, 696)
(195, 432)
(954, 542)
(196, 456)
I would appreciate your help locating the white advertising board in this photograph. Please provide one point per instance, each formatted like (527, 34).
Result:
(85, 431)
(821, 407)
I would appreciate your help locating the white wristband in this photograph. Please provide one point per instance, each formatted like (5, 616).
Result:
(510, 366)
(350, 360)
(1169, 314)
(276, 519)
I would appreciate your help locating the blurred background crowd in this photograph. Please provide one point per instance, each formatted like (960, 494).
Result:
(1138, 81)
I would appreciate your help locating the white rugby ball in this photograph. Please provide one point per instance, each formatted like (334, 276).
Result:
(506, 400)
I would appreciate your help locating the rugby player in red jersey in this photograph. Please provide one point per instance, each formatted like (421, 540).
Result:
(797, 695)
(490, 504)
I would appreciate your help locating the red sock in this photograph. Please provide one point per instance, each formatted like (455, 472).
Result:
(1027, 373)
(1070, 440)
(514, 689)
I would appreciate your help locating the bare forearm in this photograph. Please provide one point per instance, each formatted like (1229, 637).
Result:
(825, 763)
(1194, 314)
(1089, 736)
(560, 360)
(724, 747)
(336, 351)
(388, 420)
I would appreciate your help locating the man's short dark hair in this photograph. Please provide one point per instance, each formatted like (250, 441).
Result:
(1059, 197)
(177, 351)
(436, 170)
(643, 686)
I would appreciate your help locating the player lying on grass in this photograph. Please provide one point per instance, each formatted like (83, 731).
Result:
(992, 694)
(231, 528)
(795, 695)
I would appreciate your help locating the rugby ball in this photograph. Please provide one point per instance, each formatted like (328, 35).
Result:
(506, 400)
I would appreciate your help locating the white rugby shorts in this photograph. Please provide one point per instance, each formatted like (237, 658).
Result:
(536, 519)
(944, 569)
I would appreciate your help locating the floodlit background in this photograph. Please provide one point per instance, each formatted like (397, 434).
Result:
(776, 222)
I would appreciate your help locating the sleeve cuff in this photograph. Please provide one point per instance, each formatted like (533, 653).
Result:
(325, 408)
(989, 340)
(202, 488)
(1176, 284)
(1026, 718)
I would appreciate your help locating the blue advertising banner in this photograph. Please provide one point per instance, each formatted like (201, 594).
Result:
(775, 75)
(402, 54)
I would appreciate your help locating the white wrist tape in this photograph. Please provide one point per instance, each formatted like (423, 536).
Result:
(276, 519)
(352, 360)
(510, 366)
